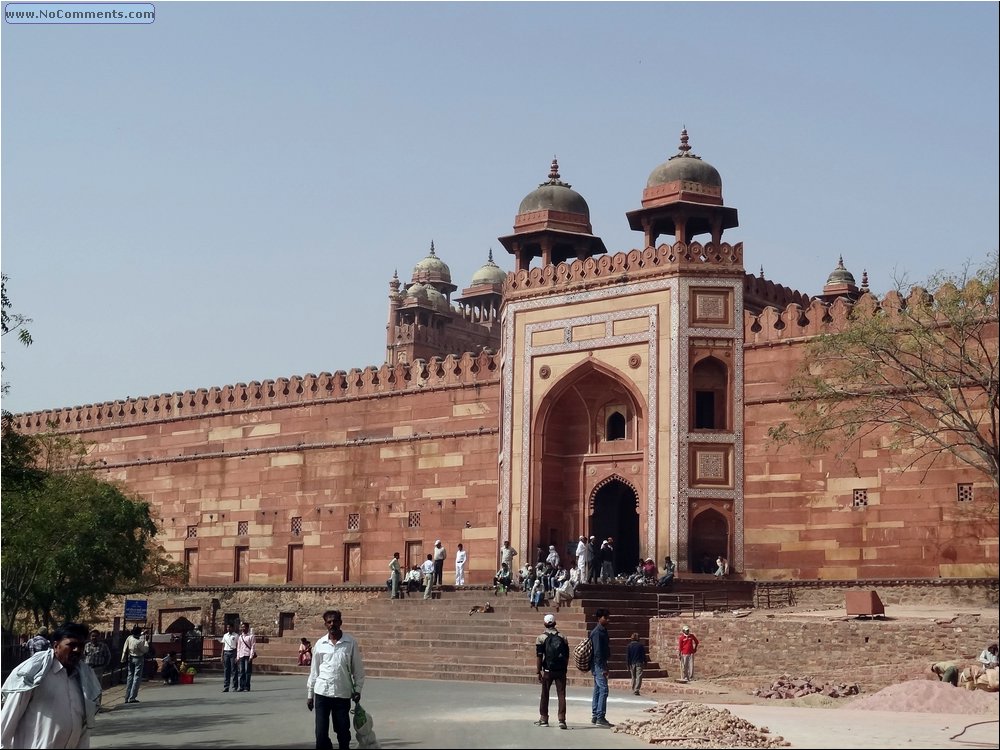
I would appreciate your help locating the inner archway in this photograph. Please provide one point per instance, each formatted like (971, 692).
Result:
(709, 538)
(615, 514)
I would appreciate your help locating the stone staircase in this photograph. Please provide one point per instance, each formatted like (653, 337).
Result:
(438, 638)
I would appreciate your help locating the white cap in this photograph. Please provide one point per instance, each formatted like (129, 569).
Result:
(437, 541)
(686, 629)
(552, 546)
(549, 619)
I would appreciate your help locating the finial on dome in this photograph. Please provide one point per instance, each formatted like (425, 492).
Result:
(762, 272)
(432, 247)
(840, 262)
(684, 147)
(554, 169)
(864, 280)
(490, 258)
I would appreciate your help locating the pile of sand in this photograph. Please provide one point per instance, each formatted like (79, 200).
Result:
(929, 696)
(683, 724)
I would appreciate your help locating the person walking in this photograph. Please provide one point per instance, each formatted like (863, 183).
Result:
(428, 570)
(133, 656)
(96, 654)
(552, 661)
(246, 652)
(51, 699)
(230, 674)
(687, 646)
(602, 654)
(395, 577)
(336, 677)
(39, 642)
(440, 555)
(636, 658)
(460, 558)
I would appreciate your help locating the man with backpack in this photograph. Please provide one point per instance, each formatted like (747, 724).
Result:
(552, 660)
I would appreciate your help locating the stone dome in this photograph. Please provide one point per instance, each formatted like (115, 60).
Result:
(437, 300)
(489, 273)
(685, 166)
(417, 291)
(432, 267)
(840, 275)
(554, 195)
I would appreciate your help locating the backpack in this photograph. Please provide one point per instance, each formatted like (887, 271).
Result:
(583, 655)
(555, 654)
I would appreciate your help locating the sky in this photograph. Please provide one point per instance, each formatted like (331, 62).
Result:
(223, 195)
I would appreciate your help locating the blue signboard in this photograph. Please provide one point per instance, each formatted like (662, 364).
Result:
(135, 610)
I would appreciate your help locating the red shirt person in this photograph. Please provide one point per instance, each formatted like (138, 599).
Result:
(687, 646)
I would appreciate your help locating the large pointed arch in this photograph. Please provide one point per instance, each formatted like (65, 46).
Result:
(569, 453)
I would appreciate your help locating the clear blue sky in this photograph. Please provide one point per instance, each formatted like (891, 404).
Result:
(222, 196)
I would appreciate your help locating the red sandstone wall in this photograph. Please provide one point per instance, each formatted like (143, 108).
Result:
(376, 444)
(800, 522)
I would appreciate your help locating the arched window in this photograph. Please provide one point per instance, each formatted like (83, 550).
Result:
(709, 395)
(615, 428)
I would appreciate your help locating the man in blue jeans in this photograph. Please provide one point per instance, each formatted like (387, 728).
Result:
(134, 656)
(336, 676)
(602, 653)
(229, 672)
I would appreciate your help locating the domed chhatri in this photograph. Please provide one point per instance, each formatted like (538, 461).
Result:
(687, 167)
(683, 198)
(489, 273)
(432, 269)
(554, 195)
(552, 223)
(685, 172)
(840, 275)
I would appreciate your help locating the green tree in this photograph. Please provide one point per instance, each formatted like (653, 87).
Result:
(11, 322)
(919, 369)
(71, 539)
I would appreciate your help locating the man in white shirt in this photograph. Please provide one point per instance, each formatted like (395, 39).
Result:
(51, 699)
(440, 553)
(229, 672)
(336, 676)
(460, 557)
(507, 555)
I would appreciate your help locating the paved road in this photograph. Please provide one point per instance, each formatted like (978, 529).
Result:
(446, 714)
(407, 713)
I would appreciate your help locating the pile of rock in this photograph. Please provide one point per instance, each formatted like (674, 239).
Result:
(797, 687)
(683, 724)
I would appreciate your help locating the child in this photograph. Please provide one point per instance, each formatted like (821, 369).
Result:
(305, 653)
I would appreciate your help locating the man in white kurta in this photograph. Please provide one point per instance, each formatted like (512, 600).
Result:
(581, 558)
(50, 699)
(460, 557)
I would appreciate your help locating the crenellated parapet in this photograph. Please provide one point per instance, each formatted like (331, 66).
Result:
(368, 382)
(759, 293)
(691, 257)
(795, 321)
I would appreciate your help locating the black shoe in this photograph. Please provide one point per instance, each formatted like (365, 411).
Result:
(225, 690)
(603, 723)
(542, 723)
(593, 719)
(562, 725)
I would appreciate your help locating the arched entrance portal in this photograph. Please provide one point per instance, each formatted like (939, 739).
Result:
(615, 514)
(709, 538)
